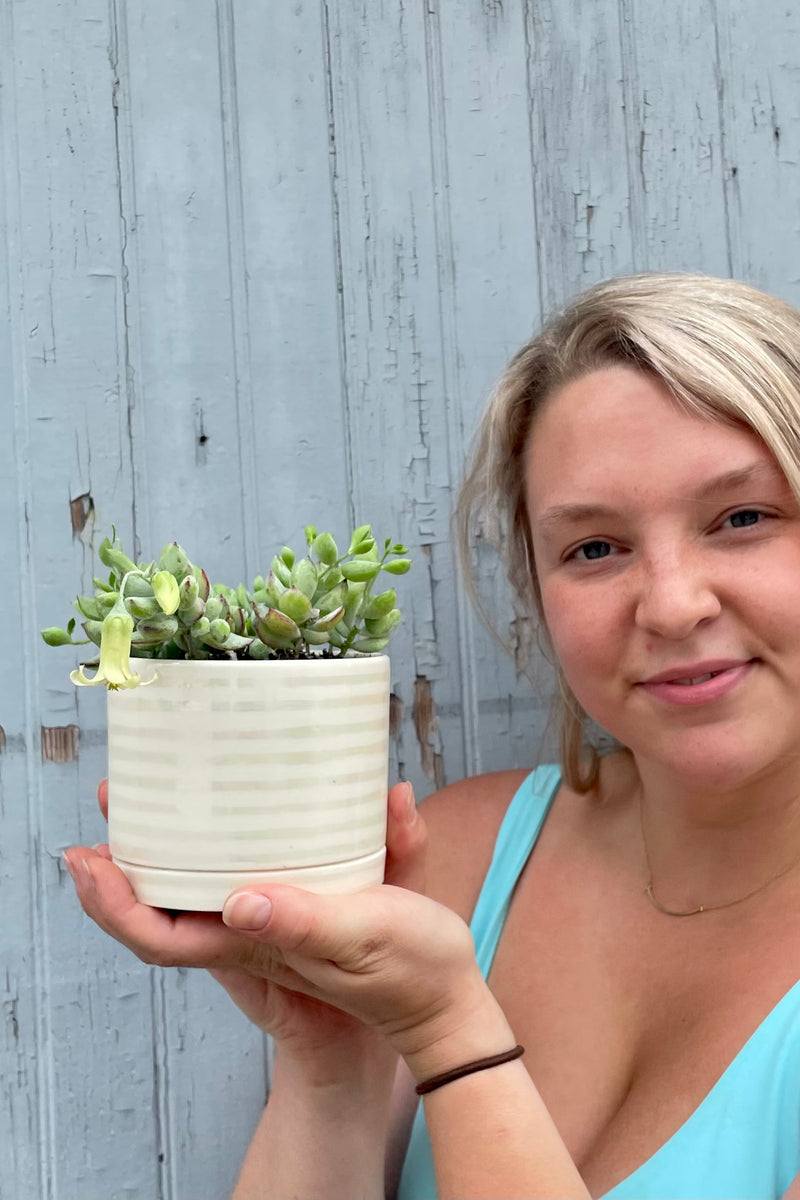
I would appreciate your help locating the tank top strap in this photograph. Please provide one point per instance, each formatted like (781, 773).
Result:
(519, 830)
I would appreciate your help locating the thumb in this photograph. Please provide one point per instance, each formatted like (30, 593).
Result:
(406, 840)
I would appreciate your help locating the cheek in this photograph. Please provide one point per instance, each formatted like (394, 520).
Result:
(584, 634)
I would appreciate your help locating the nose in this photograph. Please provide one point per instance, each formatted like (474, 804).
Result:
(676, 594)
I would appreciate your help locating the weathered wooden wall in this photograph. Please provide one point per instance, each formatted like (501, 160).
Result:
(261, 261)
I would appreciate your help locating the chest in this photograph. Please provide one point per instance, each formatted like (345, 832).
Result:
(630, 1017)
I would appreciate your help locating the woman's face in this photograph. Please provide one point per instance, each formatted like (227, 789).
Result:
(668, 552)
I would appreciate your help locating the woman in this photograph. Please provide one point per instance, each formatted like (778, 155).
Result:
(637, 915)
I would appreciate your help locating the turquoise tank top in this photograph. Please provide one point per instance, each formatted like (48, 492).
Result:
(741, 1143)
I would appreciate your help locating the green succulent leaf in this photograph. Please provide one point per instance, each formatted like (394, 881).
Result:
(359, 535)
(111, 555)
(295, 604)
(93, 631)
(56, 637)
(312, 638)
(360, 570)
(218, 632)
(332, 599)
(328, 621)
(138, 585)
(277, 624)
(325, 549)
(203, 583)
(398, 566)
(327, 580)
(162, 625)
(380, 605)
(142, 606)
(280, 569)
(89, 607)
(383, 626)
(288, 556)
(173, 558)
(304, 576)
(370, 645)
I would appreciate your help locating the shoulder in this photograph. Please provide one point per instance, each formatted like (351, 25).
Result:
(463, 820)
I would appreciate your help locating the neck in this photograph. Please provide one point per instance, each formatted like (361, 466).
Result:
(709, 845)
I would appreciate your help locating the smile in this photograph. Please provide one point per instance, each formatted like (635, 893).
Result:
(704, 687)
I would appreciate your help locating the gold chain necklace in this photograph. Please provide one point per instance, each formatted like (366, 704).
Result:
(692, 912)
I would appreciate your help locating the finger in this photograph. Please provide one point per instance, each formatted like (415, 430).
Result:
(406, 840)
(155, 936)
(102, 797)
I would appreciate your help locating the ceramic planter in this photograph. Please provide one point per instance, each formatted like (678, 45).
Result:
(230, 774)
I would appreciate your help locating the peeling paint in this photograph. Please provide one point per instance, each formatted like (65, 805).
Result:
(60, 743)
(81, 511)
(427, 729)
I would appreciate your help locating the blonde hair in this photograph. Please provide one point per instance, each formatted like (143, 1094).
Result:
(725, 351)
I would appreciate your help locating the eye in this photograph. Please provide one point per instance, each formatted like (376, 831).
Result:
(744, 518)
(591, 551)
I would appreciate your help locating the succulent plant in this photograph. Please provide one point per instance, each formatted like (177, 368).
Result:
(320, 603)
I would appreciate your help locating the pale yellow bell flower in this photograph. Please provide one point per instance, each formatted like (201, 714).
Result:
(115, 646)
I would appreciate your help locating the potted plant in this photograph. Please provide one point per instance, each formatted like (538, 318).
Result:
(250, 742)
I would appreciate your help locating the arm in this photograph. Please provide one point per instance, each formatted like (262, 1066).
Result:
(320, 1138)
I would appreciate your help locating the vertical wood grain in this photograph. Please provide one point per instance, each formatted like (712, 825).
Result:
(263, 263)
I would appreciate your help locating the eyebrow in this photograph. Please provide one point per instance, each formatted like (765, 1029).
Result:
(759, 473)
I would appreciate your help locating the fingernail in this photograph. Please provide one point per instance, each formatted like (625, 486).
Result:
(412, 804)
(68, 865)
(247, 911)
(88, 871)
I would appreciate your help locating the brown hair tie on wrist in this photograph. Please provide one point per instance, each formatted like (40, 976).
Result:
(480, 1064)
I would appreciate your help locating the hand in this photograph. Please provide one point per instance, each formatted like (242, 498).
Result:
(304, 1027)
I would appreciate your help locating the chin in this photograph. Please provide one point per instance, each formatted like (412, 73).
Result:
(721, 763)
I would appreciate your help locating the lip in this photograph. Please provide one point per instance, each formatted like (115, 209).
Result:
(727, 675)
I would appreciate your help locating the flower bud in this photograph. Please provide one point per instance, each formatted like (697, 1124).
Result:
(311, 533)
(166, 591)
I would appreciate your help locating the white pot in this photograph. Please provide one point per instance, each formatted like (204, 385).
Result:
(232, 774)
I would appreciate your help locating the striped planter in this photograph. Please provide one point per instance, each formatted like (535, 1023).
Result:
(230, 774)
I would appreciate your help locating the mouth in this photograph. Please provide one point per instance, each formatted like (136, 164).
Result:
(698, 683)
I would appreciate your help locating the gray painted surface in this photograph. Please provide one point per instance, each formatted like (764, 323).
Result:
(261, 262)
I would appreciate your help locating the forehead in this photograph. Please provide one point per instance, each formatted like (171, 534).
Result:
(619, 430)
